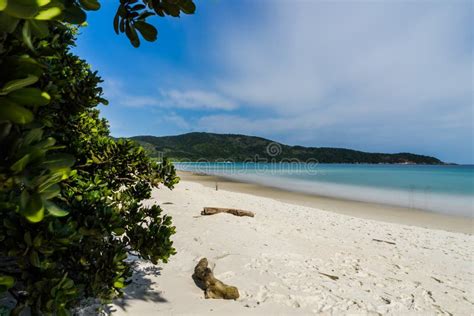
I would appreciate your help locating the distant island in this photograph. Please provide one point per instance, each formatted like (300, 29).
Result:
(239, 148)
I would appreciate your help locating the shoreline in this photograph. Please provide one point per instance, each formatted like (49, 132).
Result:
(359, 209)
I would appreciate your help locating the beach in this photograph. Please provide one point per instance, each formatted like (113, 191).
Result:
(297, 258)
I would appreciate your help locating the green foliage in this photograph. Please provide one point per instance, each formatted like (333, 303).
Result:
(218, 147)
(131, 16)
(70, 195)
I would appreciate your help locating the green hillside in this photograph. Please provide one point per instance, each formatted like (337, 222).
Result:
(237, 148)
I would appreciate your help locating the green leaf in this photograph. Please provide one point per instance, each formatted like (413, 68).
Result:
(30, 96)
(48, 13)
(92, 5)
(119, 231)
(137, 7)
(6, 282)
(21, 10)
(116, 23)
(119, 285)
(20, 164)
(74, 15)
(5, 128)
(63, 312)
(54, 210)
(42, 3)
(8, 23)
(188, 7)
(33, 135)
(26, 35)
(27, 239)
(171, 9)
(39, 28)
(14, 113)
(50, 192)
(34, 259)
(34, 210)
(59, 161)
(18, 84)
(145, 15)
(147, 30)
(132, 35)
(3, 4)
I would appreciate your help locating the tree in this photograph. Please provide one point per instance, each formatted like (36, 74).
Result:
(70, 195)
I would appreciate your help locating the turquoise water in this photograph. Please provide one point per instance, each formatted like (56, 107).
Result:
(445, 189)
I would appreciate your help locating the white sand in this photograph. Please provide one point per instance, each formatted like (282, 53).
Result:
(276, 260)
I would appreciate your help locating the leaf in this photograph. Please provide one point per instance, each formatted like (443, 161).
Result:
(119, 285)
(39, 28)
(3, 4)
(26, 35)
(8, 23)
(24, 198)
(18, 84)
(6, 282)
(63, 312)
(48, 13)
(54, 210)
(30, 96)
(33, 135)
(145, 15)
(116, 23)
(34, 259)
(27, 239)
(20, 164)
(119, 231)
(50, 192)
(74, 15)
(132, 35)
(14, 113)
(21, 10)
(59, 161)
(92, 5)
(5, 128)
(171, 9)
(188, 7)
(137, 7)
(42, 3)
(147, 30)
(34, 210)
(122, 25)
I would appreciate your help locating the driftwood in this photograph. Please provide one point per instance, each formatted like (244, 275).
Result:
(387, 242)
(332, 277)
(233, 211)
(213, 288)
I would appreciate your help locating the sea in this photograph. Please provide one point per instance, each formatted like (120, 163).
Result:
(447, 189)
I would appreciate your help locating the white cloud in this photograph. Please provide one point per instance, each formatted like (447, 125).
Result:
(322, 54)
(197, 99)
(173, 98)
(353, 73)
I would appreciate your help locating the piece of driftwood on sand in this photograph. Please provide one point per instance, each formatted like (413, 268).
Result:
(233, 211)
(213, 288)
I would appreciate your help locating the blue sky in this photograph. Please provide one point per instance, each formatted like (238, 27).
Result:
(379, 76)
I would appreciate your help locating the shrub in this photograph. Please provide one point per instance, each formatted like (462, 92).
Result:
(70, 195)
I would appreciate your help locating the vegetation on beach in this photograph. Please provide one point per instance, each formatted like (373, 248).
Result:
(239, 148)
(70, 195)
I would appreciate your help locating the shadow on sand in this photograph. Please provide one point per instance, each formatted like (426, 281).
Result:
(141, 288)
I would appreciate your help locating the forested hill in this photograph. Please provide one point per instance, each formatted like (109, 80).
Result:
(238, 148)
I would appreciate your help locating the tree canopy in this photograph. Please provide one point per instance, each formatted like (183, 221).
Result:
(71, 196)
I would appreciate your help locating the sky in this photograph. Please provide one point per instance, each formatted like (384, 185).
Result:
(378, 76)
